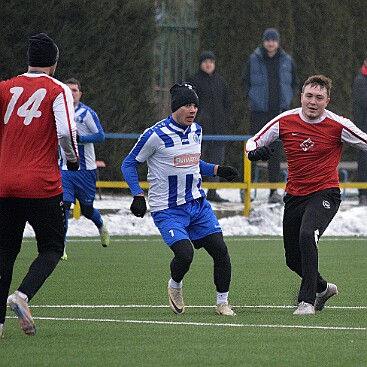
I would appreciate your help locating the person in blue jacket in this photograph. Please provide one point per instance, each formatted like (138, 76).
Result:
(270, 83)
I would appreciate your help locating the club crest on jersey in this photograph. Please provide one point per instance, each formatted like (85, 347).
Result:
(187, 160)
(196, 138)
(326, 204)
(307, 144)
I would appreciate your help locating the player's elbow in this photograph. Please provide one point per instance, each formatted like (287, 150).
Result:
(102, 137)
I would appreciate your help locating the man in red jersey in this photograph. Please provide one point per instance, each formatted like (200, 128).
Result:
(36, 113)
(313, 138)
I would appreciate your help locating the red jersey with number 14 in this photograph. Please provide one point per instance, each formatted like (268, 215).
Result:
(35, 111)
(313, 147)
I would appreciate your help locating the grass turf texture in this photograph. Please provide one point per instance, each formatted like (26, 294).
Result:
(135, 271)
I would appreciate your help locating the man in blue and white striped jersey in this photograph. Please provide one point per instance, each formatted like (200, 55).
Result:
(81, 184)
(184, 217)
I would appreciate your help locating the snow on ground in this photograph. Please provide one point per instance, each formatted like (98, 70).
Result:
(264, 219)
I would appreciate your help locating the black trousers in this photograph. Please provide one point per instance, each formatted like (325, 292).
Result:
(362, 170)
(47, 217)
(213, 152)
(305, 220)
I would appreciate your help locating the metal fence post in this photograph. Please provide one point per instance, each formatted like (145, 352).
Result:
(247, 182)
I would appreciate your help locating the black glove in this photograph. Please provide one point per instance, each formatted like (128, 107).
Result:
(260, 153)
(77, 138)
(72, 166)
(227, 172)
(138, 206)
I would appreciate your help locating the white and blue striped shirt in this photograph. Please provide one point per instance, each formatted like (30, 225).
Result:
(90, 131)
(172, 153)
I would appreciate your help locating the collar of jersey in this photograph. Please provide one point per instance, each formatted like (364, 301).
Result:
(80, 105)
(176, 127)
(35, 74)
(317, 121)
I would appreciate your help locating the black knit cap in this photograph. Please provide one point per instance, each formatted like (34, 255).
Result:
(183, 94)
(42, 51)
(271, 34)
(206, 55)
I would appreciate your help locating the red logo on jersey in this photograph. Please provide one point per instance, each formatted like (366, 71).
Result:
(307, 144)
(187, 160)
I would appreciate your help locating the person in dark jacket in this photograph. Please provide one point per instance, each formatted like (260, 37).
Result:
(270, 83)
(213, 114)
(360, 118)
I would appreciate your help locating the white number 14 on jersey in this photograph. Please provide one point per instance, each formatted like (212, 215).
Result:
(29, 109)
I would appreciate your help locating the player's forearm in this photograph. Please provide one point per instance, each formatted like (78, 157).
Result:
(66, 127)
(130, 173)
(208, 169)
(92, 138)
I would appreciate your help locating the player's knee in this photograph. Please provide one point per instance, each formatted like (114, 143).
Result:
(307, 236)
(217, 248)
(87, 211)
(183, 251)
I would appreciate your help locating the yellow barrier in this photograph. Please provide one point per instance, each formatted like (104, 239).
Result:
(246, 185)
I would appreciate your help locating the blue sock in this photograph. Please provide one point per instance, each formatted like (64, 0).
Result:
(97, 218)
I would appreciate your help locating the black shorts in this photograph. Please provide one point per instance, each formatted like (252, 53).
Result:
(46, 216)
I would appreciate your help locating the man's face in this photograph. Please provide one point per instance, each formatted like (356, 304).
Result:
(75, 92)
(208, 66)
(271, 46)
(185, 115)
(314, 101)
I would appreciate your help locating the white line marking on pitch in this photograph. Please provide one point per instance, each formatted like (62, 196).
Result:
(192, 306)
(229, 238)
(154, 322)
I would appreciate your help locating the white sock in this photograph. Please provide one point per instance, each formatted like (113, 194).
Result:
(174, 284)
(222, 297)
(23, 296)
(1, 326)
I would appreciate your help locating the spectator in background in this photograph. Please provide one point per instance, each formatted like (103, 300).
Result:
(270, 83)
(36, 115)
(213, 114)
(360, 119)
(81, 184)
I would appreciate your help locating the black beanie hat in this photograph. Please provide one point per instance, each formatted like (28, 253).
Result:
(42, 51)
(183, 94)
(206, 55)
(271, 34)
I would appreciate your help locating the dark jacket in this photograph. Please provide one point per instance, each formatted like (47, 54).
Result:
(214, 107)
(360, 101)
(270, 83)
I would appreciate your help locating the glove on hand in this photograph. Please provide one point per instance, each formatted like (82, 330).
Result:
(72, 166)
(260, 153)
(227, 172)
(138, 206)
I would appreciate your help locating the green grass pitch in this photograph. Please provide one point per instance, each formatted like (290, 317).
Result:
(141, 330)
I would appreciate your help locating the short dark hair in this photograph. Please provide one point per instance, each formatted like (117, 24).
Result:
(74, 81)
(319, 80)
